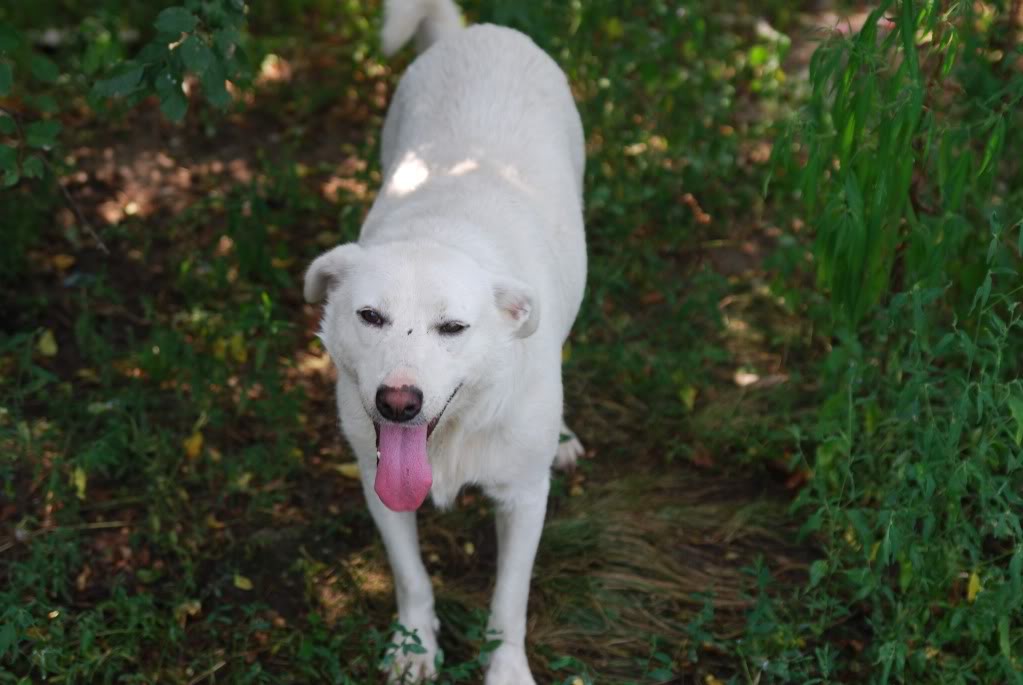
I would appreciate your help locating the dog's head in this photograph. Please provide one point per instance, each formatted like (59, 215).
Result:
(410, 324)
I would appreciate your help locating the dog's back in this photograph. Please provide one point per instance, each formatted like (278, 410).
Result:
(481, 106)
(494, 86)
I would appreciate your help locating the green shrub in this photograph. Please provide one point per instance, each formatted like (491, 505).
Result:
(903, 142)
(904, 170)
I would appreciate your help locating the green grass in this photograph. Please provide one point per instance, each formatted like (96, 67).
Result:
(799, 472)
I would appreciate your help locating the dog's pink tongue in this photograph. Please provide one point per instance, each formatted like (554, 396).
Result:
(403, 472)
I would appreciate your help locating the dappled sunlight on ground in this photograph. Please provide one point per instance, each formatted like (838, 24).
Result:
(139, 176)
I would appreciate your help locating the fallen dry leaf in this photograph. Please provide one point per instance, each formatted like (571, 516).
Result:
(193, 445)
(47, 345)
(238, 350)
(687, 395)
(349, 470)
(80, 480)
(652, 297)
(973, 588)
(186, 609)
(702, 457)
(63, 261)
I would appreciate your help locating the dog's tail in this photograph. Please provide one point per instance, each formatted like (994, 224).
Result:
(429, 20)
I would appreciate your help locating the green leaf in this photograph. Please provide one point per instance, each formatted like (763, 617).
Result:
(44, 69)
(8, 638)
(757, 55)
(1016, 572)
(1003, 637)
(148, 575)
(982, 294)
(6, 78)
(46, 103)
(42, 134)
(174, 105)
(196, 54)
(213, 84)
(93, 57)
(175, 20)
(1016, 407)
(817, 571)
(9, 38)
(167, 83)
(848, 137)
(8, 158)
(125, 81)
(860, 524)
(811, 525)
(907, 29)
(33, 167)
(951, 52)
(905, 575)
(8, 127)
(561, 662)
(11, 178)
(855, 199)
(226, 39)
(994, 144)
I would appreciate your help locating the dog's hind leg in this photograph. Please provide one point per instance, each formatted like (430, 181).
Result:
(412, 589)
(569, 449)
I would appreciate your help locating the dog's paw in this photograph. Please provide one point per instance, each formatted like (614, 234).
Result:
(569, 450)
(508, 666)
(410, 661)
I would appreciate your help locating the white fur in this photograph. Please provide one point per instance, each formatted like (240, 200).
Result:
(479, 220)
(427, 19)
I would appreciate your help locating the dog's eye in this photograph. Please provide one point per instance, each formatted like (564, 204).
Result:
(451, 328)
(371, 317)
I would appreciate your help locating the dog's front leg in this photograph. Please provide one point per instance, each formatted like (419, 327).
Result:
(520, 515)
(412, 590)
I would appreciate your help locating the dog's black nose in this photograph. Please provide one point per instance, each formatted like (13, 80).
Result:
(399, 404)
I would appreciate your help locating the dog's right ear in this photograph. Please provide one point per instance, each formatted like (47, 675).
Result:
(328, 270)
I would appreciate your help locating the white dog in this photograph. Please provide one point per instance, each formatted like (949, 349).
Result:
(447, 318)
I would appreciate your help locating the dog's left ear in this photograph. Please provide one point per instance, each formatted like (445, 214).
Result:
(518, 306)
(328, 270)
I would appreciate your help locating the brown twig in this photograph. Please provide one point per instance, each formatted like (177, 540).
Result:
(77, 210)
(95, 525)
(70, 201)
(206, 674)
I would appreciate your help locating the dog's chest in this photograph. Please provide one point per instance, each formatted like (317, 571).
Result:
(460, 457)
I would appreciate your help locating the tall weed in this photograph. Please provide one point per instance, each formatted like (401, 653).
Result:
(903, 167)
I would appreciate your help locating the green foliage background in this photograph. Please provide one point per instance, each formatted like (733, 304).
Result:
(150, 402)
